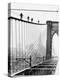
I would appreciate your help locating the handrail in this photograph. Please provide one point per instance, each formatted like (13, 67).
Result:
(23, 59)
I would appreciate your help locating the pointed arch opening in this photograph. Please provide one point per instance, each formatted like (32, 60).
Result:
(55, 45)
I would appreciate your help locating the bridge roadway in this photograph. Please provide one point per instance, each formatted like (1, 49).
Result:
(48, 67)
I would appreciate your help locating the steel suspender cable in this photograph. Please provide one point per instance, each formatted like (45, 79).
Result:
(16, 37)
(11, 44)
(19, 39)
(9, 47)
(24, 43)
(27, 55)
(25, 40)
(25, 36)
(22, 38)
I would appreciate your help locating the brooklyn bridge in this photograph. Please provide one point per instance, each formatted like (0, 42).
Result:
(30, 46)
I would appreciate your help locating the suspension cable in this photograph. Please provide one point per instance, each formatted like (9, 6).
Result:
(34, 10)
(19, 39)
(16, 36)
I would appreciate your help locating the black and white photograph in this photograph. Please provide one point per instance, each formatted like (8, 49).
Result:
(33, 32)
(29, 39)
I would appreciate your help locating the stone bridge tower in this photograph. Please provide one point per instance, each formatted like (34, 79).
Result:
(52, 28)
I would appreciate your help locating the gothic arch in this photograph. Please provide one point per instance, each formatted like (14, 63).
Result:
(55, 45)
(52, 28)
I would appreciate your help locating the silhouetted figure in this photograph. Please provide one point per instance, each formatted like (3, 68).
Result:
(31, 19)
(21, 16)
(28, 18)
